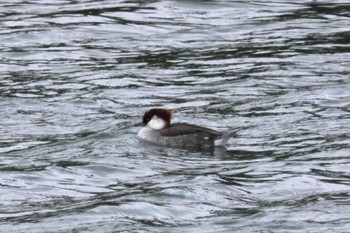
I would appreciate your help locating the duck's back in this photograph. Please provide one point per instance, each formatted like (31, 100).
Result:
(182, 135)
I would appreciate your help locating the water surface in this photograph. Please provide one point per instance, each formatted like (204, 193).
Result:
(76, 76)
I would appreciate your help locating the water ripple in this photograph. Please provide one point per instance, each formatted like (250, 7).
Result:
(77, 75)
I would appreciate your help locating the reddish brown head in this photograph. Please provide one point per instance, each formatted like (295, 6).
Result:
(164, 114)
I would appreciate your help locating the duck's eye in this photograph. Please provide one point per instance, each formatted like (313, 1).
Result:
(146, 120)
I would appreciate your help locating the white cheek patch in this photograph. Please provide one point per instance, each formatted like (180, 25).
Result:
(156, 123)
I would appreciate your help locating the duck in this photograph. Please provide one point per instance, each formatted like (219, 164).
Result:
(159, 130)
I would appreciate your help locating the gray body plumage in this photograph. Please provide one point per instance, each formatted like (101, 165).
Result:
(182, 135)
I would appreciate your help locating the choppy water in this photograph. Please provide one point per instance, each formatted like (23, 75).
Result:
(76, 75)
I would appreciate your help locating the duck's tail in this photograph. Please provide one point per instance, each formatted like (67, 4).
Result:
(227, 135)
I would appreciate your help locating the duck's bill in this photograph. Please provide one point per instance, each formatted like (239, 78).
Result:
(139, 124)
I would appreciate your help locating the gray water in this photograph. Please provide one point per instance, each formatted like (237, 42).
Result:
(75, 76)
